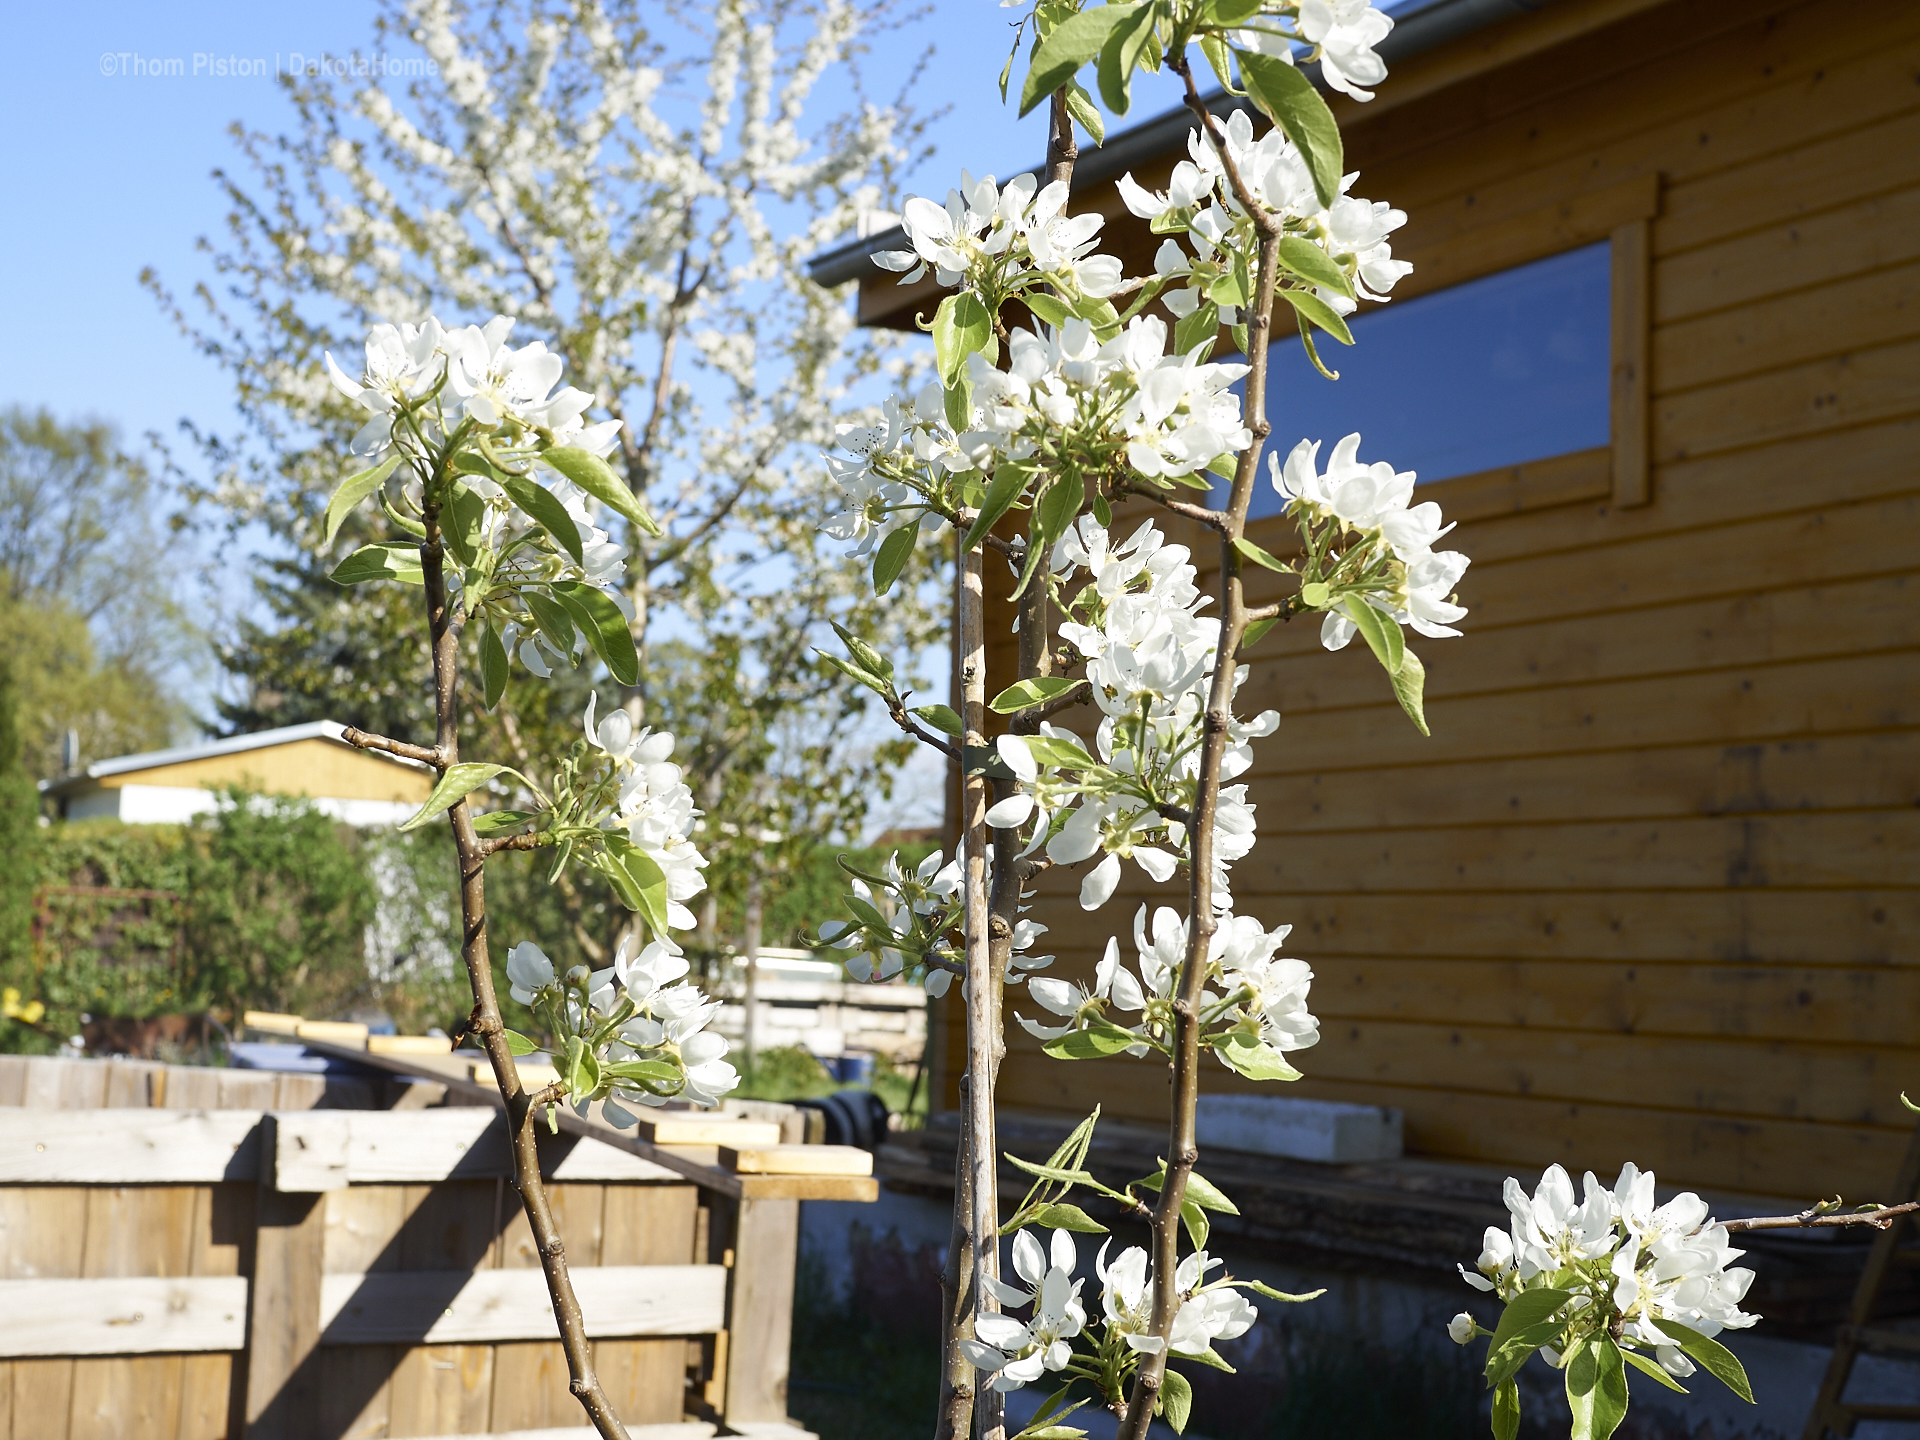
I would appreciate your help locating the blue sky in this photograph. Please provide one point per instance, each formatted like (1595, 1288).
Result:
(110, 173)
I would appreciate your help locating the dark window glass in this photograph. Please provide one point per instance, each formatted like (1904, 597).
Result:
(1508, 368)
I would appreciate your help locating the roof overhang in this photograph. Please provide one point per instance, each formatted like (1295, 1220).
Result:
(233, 745)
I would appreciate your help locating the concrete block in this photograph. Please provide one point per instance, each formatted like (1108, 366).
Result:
(1323, 1130)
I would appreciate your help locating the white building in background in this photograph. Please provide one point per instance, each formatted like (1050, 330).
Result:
(799, 1000)
(359, 787)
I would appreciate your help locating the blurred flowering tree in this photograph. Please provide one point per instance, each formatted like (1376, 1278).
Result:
(639, 185)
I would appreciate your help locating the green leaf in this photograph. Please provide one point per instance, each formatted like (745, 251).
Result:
(543, 507)
(463, 520)
(854, 672)
(1273, 1294)
(1050, 308)
(1068, 1217)
(393, 560)
(657, 1072)
(1231, 13)
(1195, 1219)
(1409, 685)
(605, 627)
(1596, 1388)
(1066, 1175)
(1071, 45)
(1310, 262)
(1253, 1059)
(1251, 635)
(1052, 515)
(1218, 56)
(1052, 1432)
(1233, 288)
(1505, 1357)
(1201, 326)
(1024, 693)
(1084, 112)
(1176, 1400)
(596, 477)
(891, 558)
(1200, 1190)
(1120, 57)
(519, 1044)
(553, 619)
(580, 1068)
(868, 658)
(960, 326)
(1260, 557)
(1711, 1356)
(1315, 594)
(353, 490)
(499, 822)
(1208, 1357)
(649, 885)
(1313, 309)
(1529, 1307)
(1100, 1039)
(1289, 97)
(957, 401)
(494, 668)
(1506, 1411)
(1381, 632)
(1646, 1366)
(1057, 751)
(1008, 481)
(451, 788)
(940, 717)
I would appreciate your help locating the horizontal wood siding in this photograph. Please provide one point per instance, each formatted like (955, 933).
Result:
(1649, 891)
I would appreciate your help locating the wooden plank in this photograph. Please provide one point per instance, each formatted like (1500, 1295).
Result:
(1867, 235)
(1829, 1004)
(1780, 92)
(223, 1226)
(247, 1089)
(126, 1395)
(759, 1311)
(13, 1079)
(1790, 776)
(59, 1084)
(1747, 705)
(146, 1231)
(440, 1389)
(530, 1388)
(206, 1389)
(131, 1315)
(1820, 396)
(454, 1225)
(1818, 323)
(283, 1318)
(798, 1160)
(1631, 310)
(106, 1147)
(356, 1394)
(306, 1151)
(1525, 1134)
(708, 1130)
(644, 1380)
(1818, 928)
(1842, 851)
(1876, 159)
(438, 1307)
(410, 1044)
(134, 1084)
(38, 1236)
(363, 1228)
(192, 1087)
(467, 1143)
(42, 1398)
(649, 1225)
(577, 1211)
(861, 1189)
(1879, 613)
(298, 1092)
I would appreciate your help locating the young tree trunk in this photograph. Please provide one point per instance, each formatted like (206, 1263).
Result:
(485, 1023)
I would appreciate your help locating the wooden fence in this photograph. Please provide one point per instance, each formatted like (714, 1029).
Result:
(313, 1274)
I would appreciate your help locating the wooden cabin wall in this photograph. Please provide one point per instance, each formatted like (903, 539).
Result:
(1649, 891)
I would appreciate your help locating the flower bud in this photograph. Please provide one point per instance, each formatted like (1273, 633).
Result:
(1460, 1328)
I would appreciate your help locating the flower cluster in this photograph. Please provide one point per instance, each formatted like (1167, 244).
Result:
(631, 1034)
(990, 238)
(1341, 34)
(1634, 1269)
(652, 804)
(907, 922)
(1017, 1352)
(1386, 558)
(1200, 202)
(1253, 1011)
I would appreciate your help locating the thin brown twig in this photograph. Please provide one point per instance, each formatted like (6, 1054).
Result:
(1814, 1218)
(363, 740)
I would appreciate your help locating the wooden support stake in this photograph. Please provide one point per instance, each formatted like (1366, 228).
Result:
(283, 1317)
(760, 1311)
